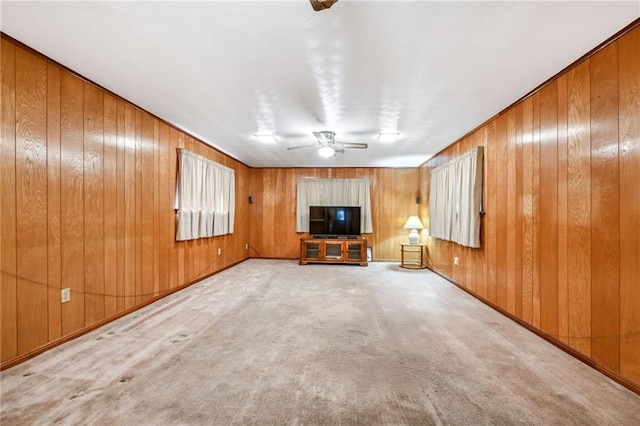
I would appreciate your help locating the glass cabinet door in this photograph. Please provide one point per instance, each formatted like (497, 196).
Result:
(312, 250)
(354, 251)
(333, 250)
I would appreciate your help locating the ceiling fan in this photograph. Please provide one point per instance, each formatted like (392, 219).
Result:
(327, 145)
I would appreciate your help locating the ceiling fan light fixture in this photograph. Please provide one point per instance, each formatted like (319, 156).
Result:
(325, 137)
(319, 5)
(266, 138)
(388, 137)
(326, 152)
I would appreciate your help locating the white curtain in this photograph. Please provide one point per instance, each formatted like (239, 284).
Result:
(455, 199)
(333, 192)
(205, 197)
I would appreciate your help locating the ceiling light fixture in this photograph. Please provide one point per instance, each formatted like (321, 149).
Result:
(266, 138)
(326, 152)
(321, 5)
(388, 137)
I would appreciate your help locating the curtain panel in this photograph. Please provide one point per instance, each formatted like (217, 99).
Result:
(455, 199)
(333, 192)
(205, 197)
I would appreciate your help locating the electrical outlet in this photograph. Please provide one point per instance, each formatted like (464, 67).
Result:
(456, 261)
(246, 246)
(65, 295)
(219, 251)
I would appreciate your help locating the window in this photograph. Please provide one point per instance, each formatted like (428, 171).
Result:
(205, 197)
(455, 199)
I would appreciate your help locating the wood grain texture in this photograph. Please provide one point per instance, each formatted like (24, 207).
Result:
(535, 200)
(137, 195)
(54, 254)
(93, 180)
(129, 206)
(491, 208)
(527, 211)
(605, 267)
(548, 200)
(393, 193)
(579, 208)
(147, 213)
(629, 130)
(502, 231)
(72, 200)
(110, 173)
(510, 209)
(563, 295)
(31, 200)
(519, 218)
(165, 208)
(121, 155)
(8, 304)
(173, 173)
(93, 204)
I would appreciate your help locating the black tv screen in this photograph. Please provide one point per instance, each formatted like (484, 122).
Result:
(334, 221)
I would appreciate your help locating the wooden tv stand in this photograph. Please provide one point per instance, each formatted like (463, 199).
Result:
(333, 250)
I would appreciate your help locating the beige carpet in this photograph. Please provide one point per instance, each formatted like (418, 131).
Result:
(271, 342)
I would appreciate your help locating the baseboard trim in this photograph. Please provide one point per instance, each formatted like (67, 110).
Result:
(48, 346)
(623, 381)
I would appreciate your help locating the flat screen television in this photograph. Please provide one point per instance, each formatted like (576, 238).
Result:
(334, 221)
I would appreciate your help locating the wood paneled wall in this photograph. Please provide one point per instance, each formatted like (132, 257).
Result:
(88, 187)
(561, 233)
(393, 200)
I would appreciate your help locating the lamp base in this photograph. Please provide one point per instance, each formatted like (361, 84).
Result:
(414, 237)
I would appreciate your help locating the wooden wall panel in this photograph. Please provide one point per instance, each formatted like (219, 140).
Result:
(511, 210)
(137, 207)
(110, 173)
(31, 200)
(527, 211)
(518, 228)
(93, 204)
(629, 130)
(563, 253)
(575, 226)
(393, 194)
(54, 263)
(165, 208)
(8, 304)
(121, 150)
(491, 208)
(548, 191)
(500, 214)
(88, 190)
(605, 268)
(129, 206)
(72, 200)
(579, 208)
(535, 216)
(147, 213)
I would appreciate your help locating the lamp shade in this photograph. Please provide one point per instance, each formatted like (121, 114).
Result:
(413, 223)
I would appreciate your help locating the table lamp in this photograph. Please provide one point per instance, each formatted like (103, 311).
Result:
(414, 224)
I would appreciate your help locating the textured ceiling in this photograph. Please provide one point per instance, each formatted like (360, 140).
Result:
(225, 71)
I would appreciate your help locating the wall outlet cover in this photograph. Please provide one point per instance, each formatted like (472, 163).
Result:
(65, 295)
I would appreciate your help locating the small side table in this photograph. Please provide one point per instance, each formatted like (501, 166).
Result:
(412, 256)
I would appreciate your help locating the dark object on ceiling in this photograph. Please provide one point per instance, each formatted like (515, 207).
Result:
(321, 5)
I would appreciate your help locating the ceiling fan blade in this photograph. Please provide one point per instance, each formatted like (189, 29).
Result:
(290, 148)
(354, 145)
